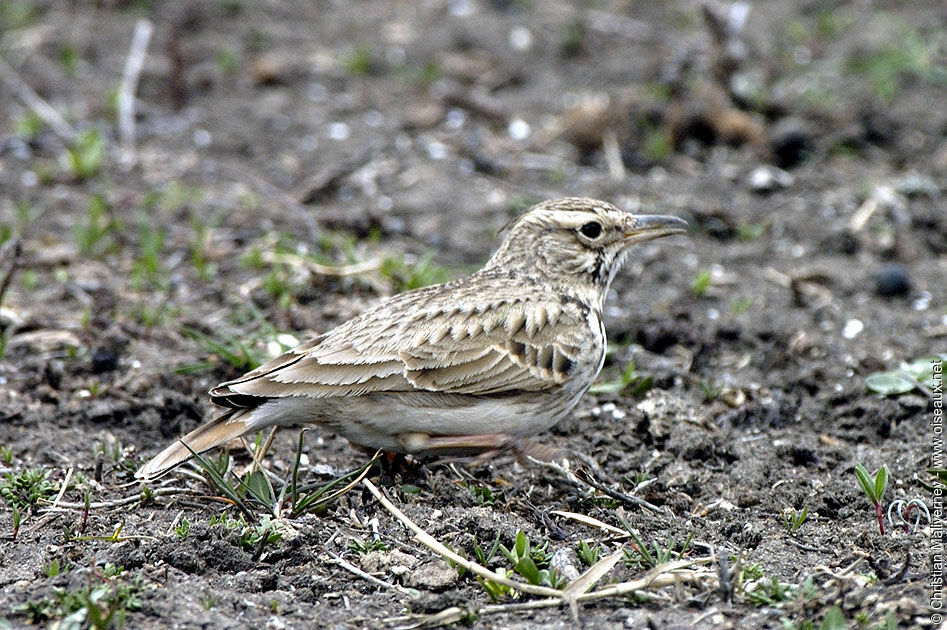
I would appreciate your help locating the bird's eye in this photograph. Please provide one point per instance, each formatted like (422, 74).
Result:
(592, 229)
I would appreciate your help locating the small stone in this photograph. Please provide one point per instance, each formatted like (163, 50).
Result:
(432, 576)
(892, 281)
(564, 561)
(765, 179)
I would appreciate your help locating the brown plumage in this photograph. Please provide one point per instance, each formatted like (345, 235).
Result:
(464, 367)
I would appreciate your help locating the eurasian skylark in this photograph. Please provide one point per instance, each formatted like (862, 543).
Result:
(470, 366)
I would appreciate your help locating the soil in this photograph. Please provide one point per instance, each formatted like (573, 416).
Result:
(806, 146)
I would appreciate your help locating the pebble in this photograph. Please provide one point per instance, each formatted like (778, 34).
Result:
(891, 280)
(768, 178)
(432, 576)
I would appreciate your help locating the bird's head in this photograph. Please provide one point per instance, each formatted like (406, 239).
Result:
(576, 241)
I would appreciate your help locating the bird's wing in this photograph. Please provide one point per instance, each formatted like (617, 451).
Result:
(444, 341)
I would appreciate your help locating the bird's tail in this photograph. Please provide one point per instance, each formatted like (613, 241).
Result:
(218, 431)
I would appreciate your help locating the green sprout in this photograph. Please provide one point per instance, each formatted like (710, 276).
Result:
(793, 519)
(874, 488)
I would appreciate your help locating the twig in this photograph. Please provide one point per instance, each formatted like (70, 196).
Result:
(126, 91)
(33, 100)
(351, 568)
(588, 480)
(160, 492)
(616, 167)
(431, 543)
(592, 522)
(13, 249)
(663, 575)
(295, 260)
(62, 489)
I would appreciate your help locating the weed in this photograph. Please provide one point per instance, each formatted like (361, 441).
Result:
(85, 156)
(769, 592)
(908, 513)
(793, 519)
(874, 488)
(198, 248)
(641, 556)
(183, 528)
(257, 536)
(69, 59)
(147, 269)
(701, 283)
(96, 236)
(631, 382)
(911, 56)
(29, 126)
(361, 62)
(485, 558)
(208, 601)
(27, 489)
(482, 493)
(405, 275)
(910, 375)
(587, 554)
(231, 350)
(361, 547)
(710, 390)
(527, 562)
(6, 454)
(52, 569)
(742, 305)
(750, 231)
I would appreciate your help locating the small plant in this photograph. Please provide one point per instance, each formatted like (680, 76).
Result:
(257, 536)
(741, 305)
(147, 268)
(701, 283)
(482, 493)
(750, 231)
(910, 375)
(52, 569)
(361, 62)
(710, 390)
(84, 158)
(27, 489)
(793, 519)
(404, 275)
(183, 528)
(361, 547)
(198, 246)
(95, 236)
(640, 555)
(527, 561)
(6, 455)
(29, 126)
(587, 554)
(631, 382)
(231, 349)
(769, 592)
(485, 558)
(874, 488)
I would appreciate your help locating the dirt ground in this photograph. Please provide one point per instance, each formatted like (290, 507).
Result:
(294, 161)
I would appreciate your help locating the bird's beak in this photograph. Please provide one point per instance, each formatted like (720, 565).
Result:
(644, 227)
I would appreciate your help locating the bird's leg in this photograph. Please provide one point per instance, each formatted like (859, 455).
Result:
(423, 443)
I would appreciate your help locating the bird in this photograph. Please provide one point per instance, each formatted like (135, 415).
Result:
(471, 366)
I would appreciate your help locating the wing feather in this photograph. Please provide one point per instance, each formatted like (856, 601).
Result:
(420, 341)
